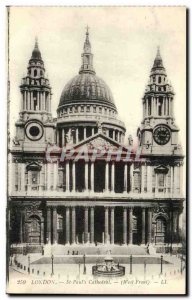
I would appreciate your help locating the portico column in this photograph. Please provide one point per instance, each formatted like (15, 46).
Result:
(73, 225)
(73, 176)
(86, 224)
(54, 225)
(113, 176)
(67, 227)
(67, 176)
(124, 225)
(125, 177)
(86, 176)
(92, 131)
(92, 225)
(84, 133)
(106, 176)
(149, 225)
(48, 225)
(130, 225)
(143, 227)
(92, 176)
(112, 224)
(106, 224)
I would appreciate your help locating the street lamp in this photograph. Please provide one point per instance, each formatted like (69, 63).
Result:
(84, 267)
(79, 269)
(144, 267)
(52, 258)
(28, 264)
(130, 264)
(181, 264)
(161, 264)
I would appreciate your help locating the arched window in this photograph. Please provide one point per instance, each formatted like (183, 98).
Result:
(159, 79)
(35, 73)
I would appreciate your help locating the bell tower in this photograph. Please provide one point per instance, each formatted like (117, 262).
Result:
(35, 122)
(158, 132)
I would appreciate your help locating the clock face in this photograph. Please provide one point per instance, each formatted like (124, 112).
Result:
(162, 135)
(34, 131)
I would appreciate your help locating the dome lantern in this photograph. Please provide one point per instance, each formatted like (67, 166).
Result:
(87, 56)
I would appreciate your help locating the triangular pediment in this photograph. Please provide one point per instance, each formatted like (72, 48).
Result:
(99, 141)
(161, 169)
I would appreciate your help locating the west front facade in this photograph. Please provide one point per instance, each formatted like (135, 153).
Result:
(76, 180)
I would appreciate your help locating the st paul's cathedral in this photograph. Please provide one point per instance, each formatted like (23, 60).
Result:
(76, 180)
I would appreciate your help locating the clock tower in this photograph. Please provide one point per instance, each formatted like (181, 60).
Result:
(35, 127)
(158, 132)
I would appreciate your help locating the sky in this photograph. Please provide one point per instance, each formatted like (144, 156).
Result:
(124, 43)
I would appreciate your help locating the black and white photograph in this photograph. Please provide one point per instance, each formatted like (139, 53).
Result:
(96, 153)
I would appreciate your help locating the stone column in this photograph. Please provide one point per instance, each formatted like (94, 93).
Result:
(55, 175)
(92, 131)
(112, 224)
(86, 176)
(73, 176)
(143, 226)
(67, 226)
(149, 225)
(125, 177)
(41, 182)
(124, 225)
(130, 225)
(171, 180)
(106, 224)
(149, 179)
(113, 176)
(77, 135)
(92, 176)
(131, 177)
(48, 176)
(142, 177)
(22, 177)
(92, 225)
(43, 101)
(86, 224)
(67, 176)
(107, 176)
(63, 137)
(48, 235)
(118, 136)
(54, 225)
(113, 134)
(73, 225)
(38, 101)
(147, 110)
(84, 133)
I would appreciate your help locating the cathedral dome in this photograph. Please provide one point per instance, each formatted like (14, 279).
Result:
(89, 88)
(86, 87)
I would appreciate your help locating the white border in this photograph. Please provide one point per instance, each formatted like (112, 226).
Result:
(3, 104)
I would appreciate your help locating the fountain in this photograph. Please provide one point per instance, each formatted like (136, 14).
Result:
(108, 268)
